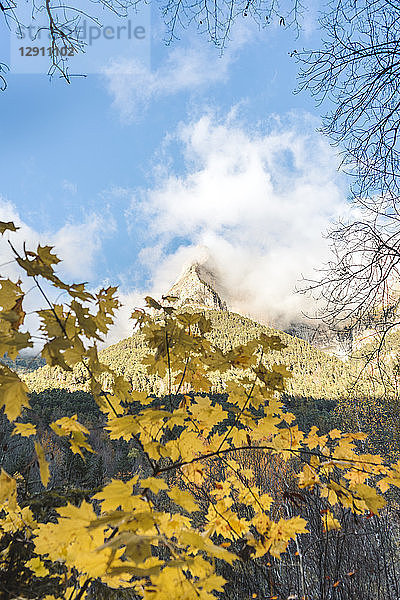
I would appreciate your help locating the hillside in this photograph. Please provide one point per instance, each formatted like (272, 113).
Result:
(320, 380)
(316, 374)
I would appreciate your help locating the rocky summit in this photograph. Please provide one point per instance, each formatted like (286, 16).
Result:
(197, 288)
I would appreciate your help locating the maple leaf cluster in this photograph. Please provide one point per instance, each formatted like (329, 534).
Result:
(162, 532)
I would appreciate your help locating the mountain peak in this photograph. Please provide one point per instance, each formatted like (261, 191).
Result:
(197, 288)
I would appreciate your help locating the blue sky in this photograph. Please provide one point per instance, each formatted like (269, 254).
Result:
(106, 167)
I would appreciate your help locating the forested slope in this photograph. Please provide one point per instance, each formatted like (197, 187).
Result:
(316, 374)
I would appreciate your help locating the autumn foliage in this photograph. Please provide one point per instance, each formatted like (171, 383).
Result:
(163, 532)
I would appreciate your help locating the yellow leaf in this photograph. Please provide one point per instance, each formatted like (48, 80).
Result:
(77, 442)
(154, 484)
(13, 393)
(151, 303)
(8, 490)
(202, 542)
(288, 417)
(308, 477)
(359, 435)
(15, 316)
(122, 427)
(213, 583)
(7, 226)
(194, 473)
(67, 425)
(43, 464)
(9, 293)
(54, 321)
(384, 484)
(117, 494)
(355, 477)
(24, 429)
(79, 516)
(14, 341)
(313, 440)
(266, 500)
(184, 499)
(70, 427)
(74, 354)
(46, 256)
(283, 531)
(38, 567)
(335, 434)
(153, 449)
(271, 342)
(330, 522)
(369, 496)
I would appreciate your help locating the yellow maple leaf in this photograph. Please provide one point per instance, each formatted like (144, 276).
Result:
(335, 434)
(16, 519)
(24, 429)
(194, 472)
(8, 490)
(370, 498)
(13, 393)
(154, 484)
(77, 442)
(313, 440)
(356, 476)
(308, 477)
(184, 499)
(67, 425)
(78, 516)
(117, 494)
(122, 427)
(7, 226)
(43, 464)
(38, 567)
(282, 532)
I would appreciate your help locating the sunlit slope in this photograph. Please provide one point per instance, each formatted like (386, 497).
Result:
(315, 374)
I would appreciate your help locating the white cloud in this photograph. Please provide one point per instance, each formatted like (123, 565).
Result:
(77, 244)
(254, 206)
(123, 326)
(193, 67)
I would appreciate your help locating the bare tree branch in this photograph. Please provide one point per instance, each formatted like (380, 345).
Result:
(357, 73)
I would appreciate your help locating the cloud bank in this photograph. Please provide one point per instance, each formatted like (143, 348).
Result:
(78, 244)
(189, 67)
(132, 85)
(253, 206)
